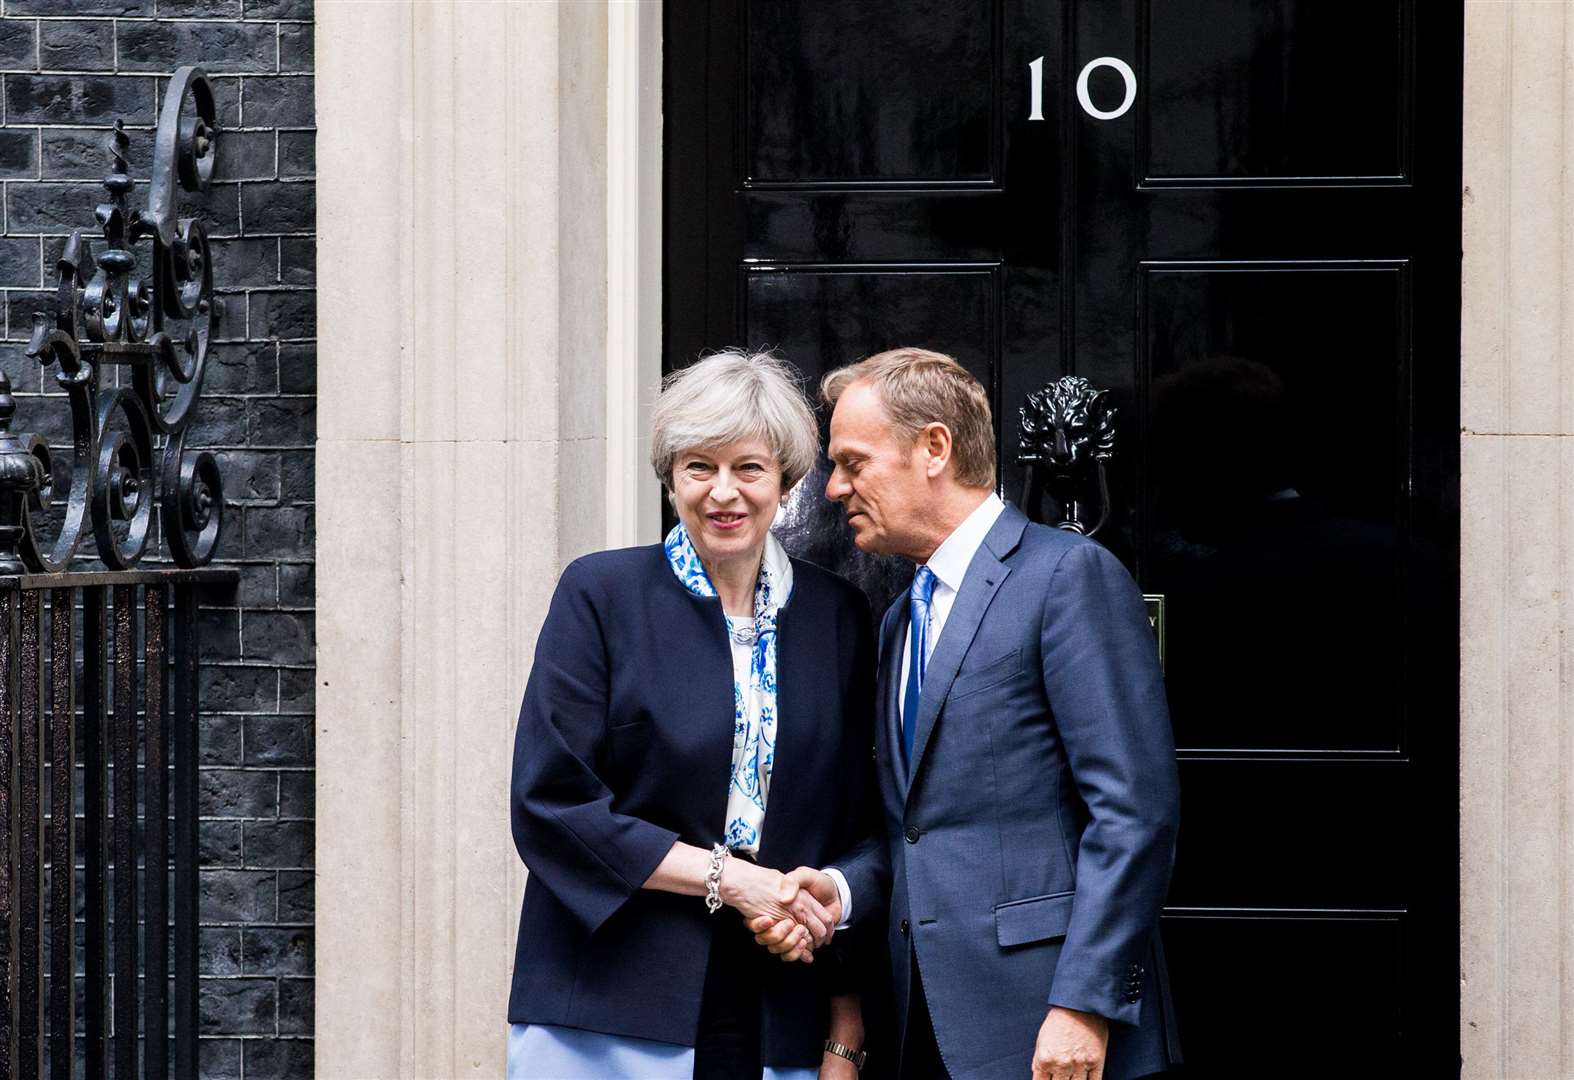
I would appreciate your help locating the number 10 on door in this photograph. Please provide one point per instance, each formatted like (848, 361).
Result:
(1127, 76)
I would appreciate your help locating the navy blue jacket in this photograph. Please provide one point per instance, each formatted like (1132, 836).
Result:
(1032, 837)
(624, 746)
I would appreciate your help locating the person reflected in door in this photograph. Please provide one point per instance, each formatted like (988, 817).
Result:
(1026, 763)
(1276, 558)
(693, 742)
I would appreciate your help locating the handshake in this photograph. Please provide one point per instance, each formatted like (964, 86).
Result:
(791, 914)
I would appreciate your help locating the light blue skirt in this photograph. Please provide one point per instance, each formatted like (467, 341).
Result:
(548, 1052)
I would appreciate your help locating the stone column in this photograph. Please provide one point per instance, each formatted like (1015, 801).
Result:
(463, 457)
(1517, 667)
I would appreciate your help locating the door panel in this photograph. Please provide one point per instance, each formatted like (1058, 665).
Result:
(1272, 834)
(1291, 91)
(911, 98)
(1276, 465)
(1259, 258)
(1344, 966)
(823, 316)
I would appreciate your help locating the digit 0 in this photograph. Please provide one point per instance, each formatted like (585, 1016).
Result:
(1126, 74)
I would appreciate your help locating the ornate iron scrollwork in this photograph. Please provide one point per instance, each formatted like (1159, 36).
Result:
(128, 442)
(1067, 441)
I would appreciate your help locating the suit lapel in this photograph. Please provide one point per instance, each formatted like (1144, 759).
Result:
(799, 725)
(985, 574)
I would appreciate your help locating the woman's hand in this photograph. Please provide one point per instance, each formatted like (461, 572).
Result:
(784, 937)
(758, 893)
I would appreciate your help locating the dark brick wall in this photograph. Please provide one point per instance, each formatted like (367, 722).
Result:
(69, 69)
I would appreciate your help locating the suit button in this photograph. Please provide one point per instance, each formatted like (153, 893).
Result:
(903, 928)
(912, 834)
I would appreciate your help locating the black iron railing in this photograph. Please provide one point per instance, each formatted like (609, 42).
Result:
(99, 654)
(101, 695)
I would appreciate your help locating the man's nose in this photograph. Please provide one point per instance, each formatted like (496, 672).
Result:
(835, 485)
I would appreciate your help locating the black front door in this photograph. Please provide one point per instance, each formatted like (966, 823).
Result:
(1242, 219)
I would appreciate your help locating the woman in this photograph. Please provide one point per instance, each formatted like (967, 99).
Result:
(697, 722)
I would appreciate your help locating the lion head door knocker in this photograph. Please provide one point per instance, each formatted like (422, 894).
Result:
(1067, 441)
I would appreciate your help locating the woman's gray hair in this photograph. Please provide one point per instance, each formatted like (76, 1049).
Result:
(732, 395)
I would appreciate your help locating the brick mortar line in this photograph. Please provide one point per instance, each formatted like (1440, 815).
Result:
(185, 19)
(107, 73)
(148, 129)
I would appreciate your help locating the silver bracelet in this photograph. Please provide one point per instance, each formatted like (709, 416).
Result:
(718, 855)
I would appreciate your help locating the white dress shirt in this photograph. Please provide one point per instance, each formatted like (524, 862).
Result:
(949, 564)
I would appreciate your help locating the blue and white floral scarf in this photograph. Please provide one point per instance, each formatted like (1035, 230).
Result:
(753, 690)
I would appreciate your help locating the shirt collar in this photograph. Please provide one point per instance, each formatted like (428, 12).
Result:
(952, 558)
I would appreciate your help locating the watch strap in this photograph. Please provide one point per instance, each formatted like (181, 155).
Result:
(857, 1057)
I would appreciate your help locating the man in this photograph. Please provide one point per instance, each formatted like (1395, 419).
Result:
(1026, 762)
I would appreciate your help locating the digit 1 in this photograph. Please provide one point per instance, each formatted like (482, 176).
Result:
(1036, 94)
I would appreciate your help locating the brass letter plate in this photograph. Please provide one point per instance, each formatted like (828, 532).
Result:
(1155, 602)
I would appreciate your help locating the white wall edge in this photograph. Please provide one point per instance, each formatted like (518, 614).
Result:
(633, 352)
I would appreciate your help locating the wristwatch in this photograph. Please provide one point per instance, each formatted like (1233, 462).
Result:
(857, 1057)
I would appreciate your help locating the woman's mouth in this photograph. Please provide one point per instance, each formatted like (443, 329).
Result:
(726, 522)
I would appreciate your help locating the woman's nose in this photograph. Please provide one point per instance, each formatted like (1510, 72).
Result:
(725, 487)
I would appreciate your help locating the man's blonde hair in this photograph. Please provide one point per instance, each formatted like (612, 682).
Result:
(918, 387)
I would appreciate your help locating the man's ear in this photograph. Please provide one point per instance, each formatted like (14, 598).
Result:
(936, 440)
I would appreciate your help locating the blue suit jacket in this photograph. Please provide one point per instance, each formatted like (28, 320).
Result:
(624, 746)
(1031, 839)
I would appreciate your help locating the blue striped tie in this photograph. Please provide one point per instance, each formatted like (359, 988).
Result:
(918, 598)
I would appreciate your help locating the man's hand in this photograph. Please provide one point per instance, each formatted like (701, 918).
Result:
(817, 896)
(1071, 1046)
(793, 938)
(822, 887)
(760, 893)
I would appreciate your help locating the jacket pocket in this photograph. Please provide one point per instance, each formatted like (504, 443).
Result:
(626, 746)
(1037, 918)
(975, 680)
